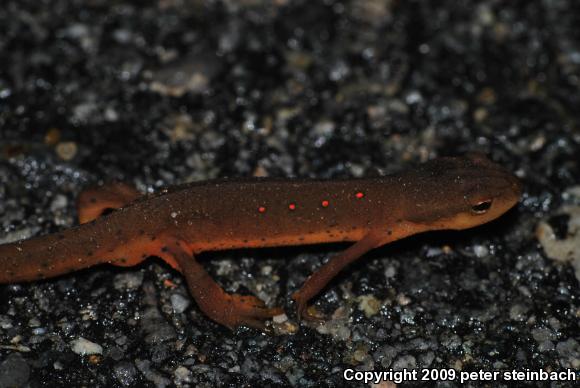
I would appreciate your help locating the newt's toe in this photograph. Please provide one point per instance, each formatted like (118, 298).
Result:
(250, 311)
(303, 311)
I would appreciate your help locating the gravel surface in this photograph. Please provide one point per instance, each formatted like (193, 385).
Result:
(173, 91)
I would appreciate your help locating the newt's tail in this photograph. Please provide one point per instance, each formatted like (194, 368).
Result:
(50, 255)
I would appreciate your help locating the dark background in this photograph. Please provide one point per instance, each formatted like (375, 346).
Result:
(173, 91)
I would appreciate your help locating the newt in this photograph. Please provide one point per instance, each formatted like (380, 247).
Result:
(178, 223)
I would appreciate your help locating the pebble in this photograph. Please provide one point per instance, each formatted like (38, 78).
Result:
(85, 347)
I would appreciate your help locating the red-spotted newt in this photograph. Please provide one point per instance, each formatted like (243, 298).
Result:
(176, 224)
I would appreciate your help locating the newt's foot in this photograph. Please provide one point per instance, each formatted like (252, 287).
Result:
(245, 310)
(302, 310)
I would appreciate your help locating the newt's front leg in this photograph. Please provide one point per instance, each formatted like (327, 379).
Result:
(231, 310)
(319, 279)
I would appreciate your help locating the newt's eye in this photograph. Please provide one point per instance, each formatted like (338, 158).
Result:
(481, 207)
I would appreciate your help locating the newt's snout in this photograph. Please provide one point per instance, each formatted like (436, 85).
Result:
(516, 185)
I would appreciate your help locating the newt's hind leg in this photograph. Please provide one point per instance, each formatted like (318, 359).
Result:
(231, 310)
(95, 201)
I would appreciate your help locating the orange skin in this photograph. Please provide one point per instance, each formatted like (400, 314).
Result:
(176, 224)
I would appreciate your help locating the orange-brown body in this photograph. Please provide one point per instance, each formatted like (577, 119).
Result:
(448, 193)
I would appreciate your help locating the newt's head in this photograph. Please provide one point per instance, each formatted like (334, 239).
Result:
(459, 193)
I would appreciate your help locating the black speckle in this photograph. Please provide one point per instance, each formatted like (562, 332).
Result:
(61, 236)
(141, 232)
(245, 240)
(301, 238)
(89, 253)
(389, 232)
(44, 264)
(153, 238)
(163, 249)
(93, 200)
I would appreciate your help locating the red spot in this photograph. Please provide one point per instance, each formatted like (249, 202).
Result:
(292, 206)
(262, 209)
(360, 195)
(325, 203)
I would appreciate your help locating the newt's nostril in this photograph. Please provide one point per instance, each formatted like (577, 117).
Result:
(517, 186)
